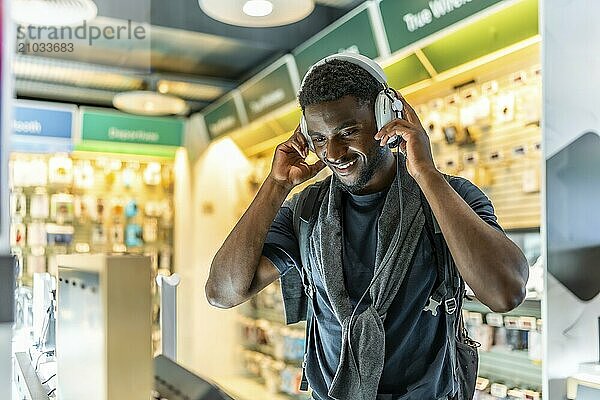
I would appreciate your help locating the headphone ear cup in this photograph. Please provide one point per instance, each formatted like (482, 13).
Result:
(304, 130)
(383, 110)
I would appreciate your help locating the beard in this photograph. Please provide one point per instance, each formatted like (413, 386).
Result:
(376, 160)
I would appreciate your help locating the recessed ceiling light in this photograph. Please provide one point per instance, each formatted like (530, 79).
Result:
(258, 8)
(149, 103)
(257, 13)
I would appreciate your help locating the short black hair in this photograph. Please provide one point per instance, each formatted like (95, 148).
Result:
(335, 79)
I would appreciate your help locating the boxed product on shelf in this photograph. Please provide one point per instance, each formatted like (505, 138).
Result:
(290, 382)
(293, 343)
(271, 373)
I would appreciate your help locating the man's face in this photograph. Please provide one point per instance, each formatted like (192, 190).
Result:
(342, 132)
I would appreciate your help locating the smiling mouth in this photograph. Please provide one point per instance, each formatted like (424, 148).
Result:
(343, 169)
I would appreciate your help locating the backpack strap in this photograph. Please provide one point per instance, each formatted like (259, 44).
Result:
(450, 286)
(304, 217)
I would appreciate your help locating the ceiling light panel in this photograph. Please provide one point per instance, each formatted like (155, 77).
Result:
(76, 74)
(257, 13)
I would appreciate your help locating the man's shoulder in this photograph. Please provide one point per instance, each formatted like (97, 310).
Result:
(293, 200)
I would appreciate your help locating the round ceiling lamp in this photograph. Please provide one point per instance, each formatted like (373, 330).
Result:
(144, 102)
(257, 13)
(53, 12)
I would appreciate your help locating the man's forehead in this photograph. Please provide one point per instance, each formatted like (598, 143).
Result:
(347, 108)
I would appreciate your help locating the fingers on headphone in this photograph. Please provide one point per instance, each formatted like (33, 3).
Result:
(410, 113)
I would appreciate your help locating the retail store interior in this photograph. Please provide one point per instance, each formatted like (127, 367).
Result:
(126, 163)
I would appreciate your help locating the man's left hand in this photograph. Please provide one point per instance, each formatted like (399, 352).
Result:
(414, 144)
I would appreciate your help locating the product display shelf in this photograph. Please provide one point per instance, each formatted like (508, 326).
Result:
(500, 364)
(272, 351)
(511, 367)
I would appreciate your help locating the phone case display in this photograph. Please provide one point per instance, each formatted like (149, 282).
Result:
(490, 135)
(60, 170)
(74, 204)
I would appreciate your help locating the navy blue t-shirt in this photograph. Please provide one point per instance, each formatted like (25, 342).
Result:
(416, 360)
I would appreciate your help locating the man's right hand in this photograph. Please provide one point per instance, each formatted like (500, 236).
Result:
(289, 167)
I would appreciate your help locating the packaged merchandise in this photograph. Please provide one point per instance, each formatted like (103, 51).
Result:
(531, 180)
(534, 350)
(515, 394)
(83, 175)
(98, 234)
(433, 121)
(25, 172)
(85, 208)
(133, 235)
(36, 234)
(271, 373)
(61, 208)
(494, 319)
(517, 339)
(152, 174)
(164, 262)
(60, 170)
(36, 264)
(117, 208)
(499, 390)
(100, 210)
(59, 234)
(18, 234)
(293, 344)
(131, 209)
(18, 203)
(129, 177)
(40, 204)
(117, 233)
(150, 230)
(290, 381)
(504, 107)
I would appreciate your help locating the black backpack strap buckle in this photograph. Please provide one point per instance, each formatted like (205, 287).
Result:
(451, 305)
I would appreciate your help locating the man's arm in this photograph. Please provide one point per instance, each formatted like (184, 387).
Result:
(491, 264)
(239, 270)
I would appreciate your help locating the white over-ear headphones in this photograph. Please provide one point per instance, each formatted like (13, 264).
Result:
(387, 104)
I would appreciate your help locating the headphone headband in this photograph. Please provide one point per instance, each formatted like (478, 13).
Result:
(364, 62)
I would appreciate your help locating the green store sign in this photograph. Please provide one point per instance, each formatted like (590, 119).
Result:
(353, 35)
(407, 21)
(115, 132)
(268, 93)
(108, 126)
(222, 118)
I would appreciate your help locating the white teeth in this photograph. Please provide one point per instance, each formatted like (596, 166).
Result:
(344, 166)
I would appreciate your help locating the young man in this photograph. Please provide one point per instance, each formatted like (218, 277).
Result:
(372, 263)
